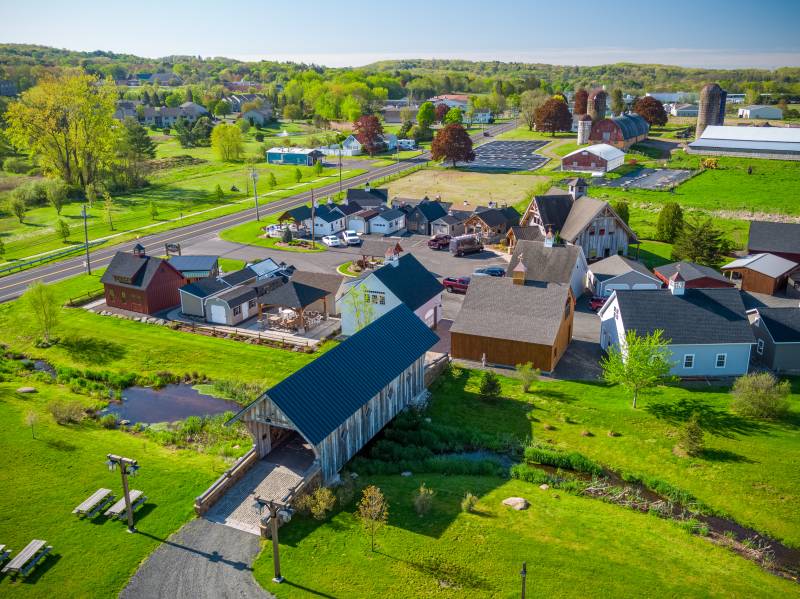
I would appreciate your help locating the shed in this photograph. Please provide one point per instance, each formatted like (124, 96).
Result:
(341, 400)
(760, 111)
(619, 272)
(295, 156)
(761, 273)
(195, 267)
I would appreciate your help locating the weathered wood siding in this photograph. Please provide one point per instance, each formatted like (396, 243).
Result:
(262, 416)
(605, 236)
(761, 283)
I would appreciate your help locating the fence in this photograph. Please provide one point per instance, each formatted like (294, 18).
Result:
(210, 496)
(283, 338)
(48, 258)
(84, 298)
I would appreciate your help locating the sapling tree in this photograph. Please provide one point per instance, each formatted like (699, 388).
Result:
(373, 511)
(43, 304)
(639, 363)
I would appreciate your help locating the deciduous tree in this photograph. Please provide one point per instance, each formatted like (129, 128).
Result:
(651, 110)
(426, 115)
(453, 116)
(453, 143)
(623, 210)
(553, 116)
(62, 228)
(358, 301)
(43, 304)
(617, 101)
(441, 112)
(760, 395)
(529, 102)
(56, 191)
(581, 101)
(373, 511)
(368, 131)
(640, 362)
(292, 112)
(227, 142)
(18, 207)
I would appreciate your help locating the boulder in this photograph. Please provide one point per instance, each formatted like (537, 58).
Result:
(516, 503)
(544, 486)
(26, 390)
(405, 473)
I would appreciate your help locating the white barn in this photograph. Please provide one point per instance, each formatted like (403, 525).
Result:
(761, 111)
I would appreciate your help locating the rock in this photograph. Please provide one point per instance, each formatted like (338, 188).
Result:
(428, 420)
(405, 473)
(517, 503)
(124, 422)
(354, 475)
(544, 487)
(161, 321)
(26, 390)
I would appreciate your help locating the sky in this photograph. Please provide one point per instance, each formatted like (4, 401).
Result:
(692, 33)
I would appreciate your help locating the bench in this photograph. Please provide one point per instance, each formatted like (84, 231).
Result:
(26, 559)
(118, 509)
(94, 503)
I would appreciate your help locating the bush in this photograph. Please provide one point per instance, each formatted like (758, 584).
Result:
(259, 137)
(33, 193)
(66, 412)
(527, 375)
(317, 504)
(761, 395)
(16, 165)
(469, 502)
(558, 459)
(423, 500)
(490, 387)
(286, 237)
(236, 390)
(108, 421)
(690, 438)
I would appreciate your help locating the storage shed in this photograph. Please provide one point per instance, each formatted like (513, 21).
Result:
(761, 273)
(297, 156)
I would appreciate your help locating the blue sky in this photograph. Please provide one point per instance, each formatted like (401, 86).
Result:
(705, 33)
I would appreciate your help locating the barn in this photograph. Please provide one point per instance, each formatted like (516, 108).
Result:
(599, 158)
(141, 283)
(761, 273)
(621, 131)
(338, 402)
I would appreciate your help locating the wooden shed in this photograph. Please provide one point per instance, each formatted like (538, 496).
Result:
(338, 402)
(761, 273)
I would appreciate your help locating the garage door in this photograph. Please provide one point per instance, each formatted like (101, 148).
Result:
(646, 286)
(608, 289)
(217, 314)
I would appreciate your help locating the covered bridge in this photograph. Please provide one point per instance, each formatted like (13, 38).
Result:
(338, 402)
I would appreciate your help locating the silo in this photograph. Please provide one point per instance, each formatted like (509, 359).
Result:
(597, 104)
(712, 108)
(584, 129)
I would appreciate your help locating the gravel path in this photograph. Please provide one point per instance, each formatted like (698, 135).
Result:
(203, 560)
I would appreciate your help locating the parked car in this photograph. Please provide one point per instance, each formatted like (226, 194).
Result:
(439, 242)
(489, 271)
(332, 241)
(465, 244)
(351, 238)
(456, 284)
(597, 302)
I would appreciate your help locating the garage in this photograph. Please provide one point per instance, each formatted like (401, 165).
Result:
(620, 273)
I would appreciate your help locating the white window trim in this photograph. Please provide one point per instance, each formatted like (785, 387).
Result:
(684, 361)
(724, 360)
(760, 347)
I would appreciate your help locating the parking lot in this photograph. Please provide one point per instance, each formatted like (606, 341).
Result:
(509, 155)
(652, 179)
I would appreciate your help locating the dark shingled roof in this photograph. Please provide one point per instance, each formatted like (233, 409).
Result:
(328, 281)
(139, 270)
(549, 265)
(379, 353)
(782, 323)
(293, 295)
(193, 263)
(495, 217)
(689, 271)
(431, 210)
(328, 214)
(614, 266)
(774, 237)
(698, 317)
(347, 209)
(239, 276)
(390, 214)
(368, 199)
(204, 287)
(527, 233)
(553, 209)
(412, 283)
(457, 217)
(298, 214)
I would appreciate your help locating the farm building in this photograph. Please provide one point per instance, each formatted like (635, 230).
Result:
(761, 273)
(760, 111)
(685, 110)
(778, 143)
(619, 272)
(695, 276)
(296, 156)
(599, 158)
(549, 262)
(620, 131)
(388, 356)
(777, 333)
(781, 239)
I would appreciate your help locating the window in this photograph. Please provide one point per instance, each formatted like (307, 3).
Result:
(722, 360)
(251, 303)
(237, 310)
(591, 231)
(566, 308)
(688, 361)
(602, 232)
(760, 347)
(110, 294)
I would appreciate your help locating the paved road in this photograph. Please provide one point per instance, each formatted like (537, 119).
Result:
(12, 286)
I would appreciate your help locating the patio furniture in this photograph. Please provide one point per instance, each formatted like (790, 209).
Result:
(94, 503)
(26, 559)
(4, 553)
(118, 509)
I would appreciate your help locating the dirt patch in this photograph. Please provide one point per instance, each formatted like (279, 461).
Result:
(160, 164)
(9, 183)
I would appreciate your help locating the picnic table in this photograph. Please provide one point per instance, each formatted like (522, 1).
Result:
(26, 559)
(4, 553)
(94, 503)
(118, 509)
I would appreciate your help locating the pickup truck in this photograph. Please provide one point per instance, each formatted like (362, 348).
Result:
(439, 242)
(456, 284)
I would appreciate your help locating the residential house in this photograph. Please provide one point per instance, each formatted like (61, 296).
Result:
(760, 111)
(328, 220)
(618, 272)
(193, 111)
(685, 110)
(451, 224)
(451, 101)
(193, 268)
(359, 221)
(295, 156)
(259, 117)
(141, 283)
(401, 280)
(491, 224)
(599, 158)
(549, 262)
(695, 276)
(237, 101)
(388, 222)
(509, 321)
(349, 211)
(620, 131)
(520, 233)
(368, 197)
(378, 372)
(781, 239)
(777, 334)
(477, 117)
(421, 215)
(761, 273)
(707, 330)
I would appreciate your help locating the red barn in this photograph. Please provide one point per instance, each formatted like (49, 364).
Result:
(141, 283)
(621, 131)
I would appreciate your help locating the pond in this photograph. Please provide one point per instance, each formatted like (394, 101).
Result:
(146, 405)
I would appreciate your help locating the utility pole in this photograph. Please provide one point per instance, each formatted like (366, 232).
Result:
(126, 466)
(340, 170)
(86, 239)
(254, 175)
(524, 575)
(313, 218)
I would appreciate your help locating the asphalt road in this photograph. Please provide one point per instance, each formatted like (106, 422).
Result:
(12, 286)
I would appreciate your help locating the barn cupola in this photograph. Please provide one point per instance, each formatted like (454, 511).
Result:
(549, 239)
(367, 188)
(577, 188)
(138, 250)
(519, 273)
(677, 284)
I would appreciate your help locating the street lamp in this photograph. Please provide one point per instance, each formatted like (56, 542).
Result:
(341, 148)
(126, 466)
(277, 510)
(254, 176)
(86, 239)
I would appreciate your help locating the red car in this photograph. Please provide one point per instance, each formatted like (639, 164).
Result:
(439, 242)
(597, 302)
(456, 284)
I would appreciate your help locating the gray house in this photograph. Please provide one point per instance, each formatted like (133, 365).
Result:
(451, 224)
(619, 272)
(777, 333)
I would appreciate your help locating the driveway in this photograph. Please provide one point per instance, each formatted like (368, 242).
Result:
(203, 560)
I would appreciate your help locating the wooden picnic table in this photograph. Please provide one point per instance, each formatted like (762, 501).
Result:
(26, 559)
(118, 509)
(94, 503)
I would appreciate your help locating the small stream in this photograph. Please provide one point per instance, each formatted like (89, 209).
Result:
(145, 405)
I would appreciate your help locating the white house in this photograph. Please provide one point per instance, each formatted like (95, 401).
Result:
(760, 111)
(477, 117)
(327, 221)
(452, 100)
(388, 222)
(618, 272)
(406, 144)
(402, 280)
(258, 116)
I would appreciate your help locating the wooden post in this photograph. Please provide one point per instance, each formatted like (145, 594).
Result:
(276, 558)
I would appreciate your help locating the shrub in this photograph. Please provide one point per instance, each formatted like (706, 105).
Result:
(108, 421)
(193, 425)
(558, 459)
(469, 502)
(423, 500)
(66, 412)
(259, 137)
(317, 504)
(527, 375)
(286, 237)
(237, 390)
(16, 165)
(761, 395)
(33, 193)
(490, 387)
(690, 438)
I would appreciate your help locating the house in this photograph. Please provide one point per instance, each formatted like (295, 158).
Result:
(780, 239)
(192, 110)
(685, 110)
(259, 117)
(520, 233)
(401, 280)
(777, 334)
(451, 101)
(237, 101)
(8, 87)
(599, 158)
(760, 111)
(193, 268)
(351, 146)
(141, 283)
(549, 262)
(508, 321)
(779, 143)
(380, 370)
(491, 223)
(707, 330)
(328, 220)
(451, 224)
(368, 197)
(620, 131)
(619, 272)
(359, 221)
(349, 211)
(387, 222)
(761, 273)
(421, 215)
(477, 117)
(296, 156)
(695, 276)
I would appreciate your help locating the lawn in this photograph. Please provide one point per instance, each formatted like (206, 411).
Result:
(251, 233)
(522, 134)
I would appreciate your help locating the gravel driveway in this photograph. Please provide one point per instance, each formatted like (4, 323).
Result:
(203, 560)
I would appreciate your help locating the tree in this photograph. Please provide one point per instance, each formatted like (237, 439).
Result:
(351, 108)
(639, 363)
(651, 110)
(623, 210)
(134, 148)
(272, 182)
(452, 142)
(292, 112)
(62, 228)
(441, 112)
(453, 116)
(201, 131)
(31, 420)
(553, 116)
(529, 102)
(219, 193)
(690, 437)
(405, 129)
(426, 115)
(153, 210)
(222, 109)
(368, 130)
(670, 222)
(527, 375)
(760, 395)
(360, 306)
(489, 389)
(581, 101)
(373, 511)
(752, 95)
(226, 140)
(67, 123)
(617, 101)
(108, 208)
(701, 242)
(318, 167)
(298, 175)
(173, 100)
(286, 237)
(56, 191)
(18, 207)
(244, 126)
(423, 499)
(2, 248)
(43, 304)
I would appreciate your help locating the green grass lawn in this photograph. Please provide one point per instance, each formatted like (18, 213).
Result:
(521, 134)
(43, 479)
(230, 265)
(251, 233)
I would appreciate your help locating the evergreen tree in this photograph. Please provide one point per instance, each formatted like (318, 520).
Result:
(701, 242)
(670, 222)
(490, 386)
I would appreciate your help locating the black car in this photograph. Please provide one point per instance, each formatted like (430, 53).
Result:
(490, 271)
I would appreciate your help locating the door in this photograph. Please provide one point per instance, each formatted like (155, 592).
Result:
(217, 314)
